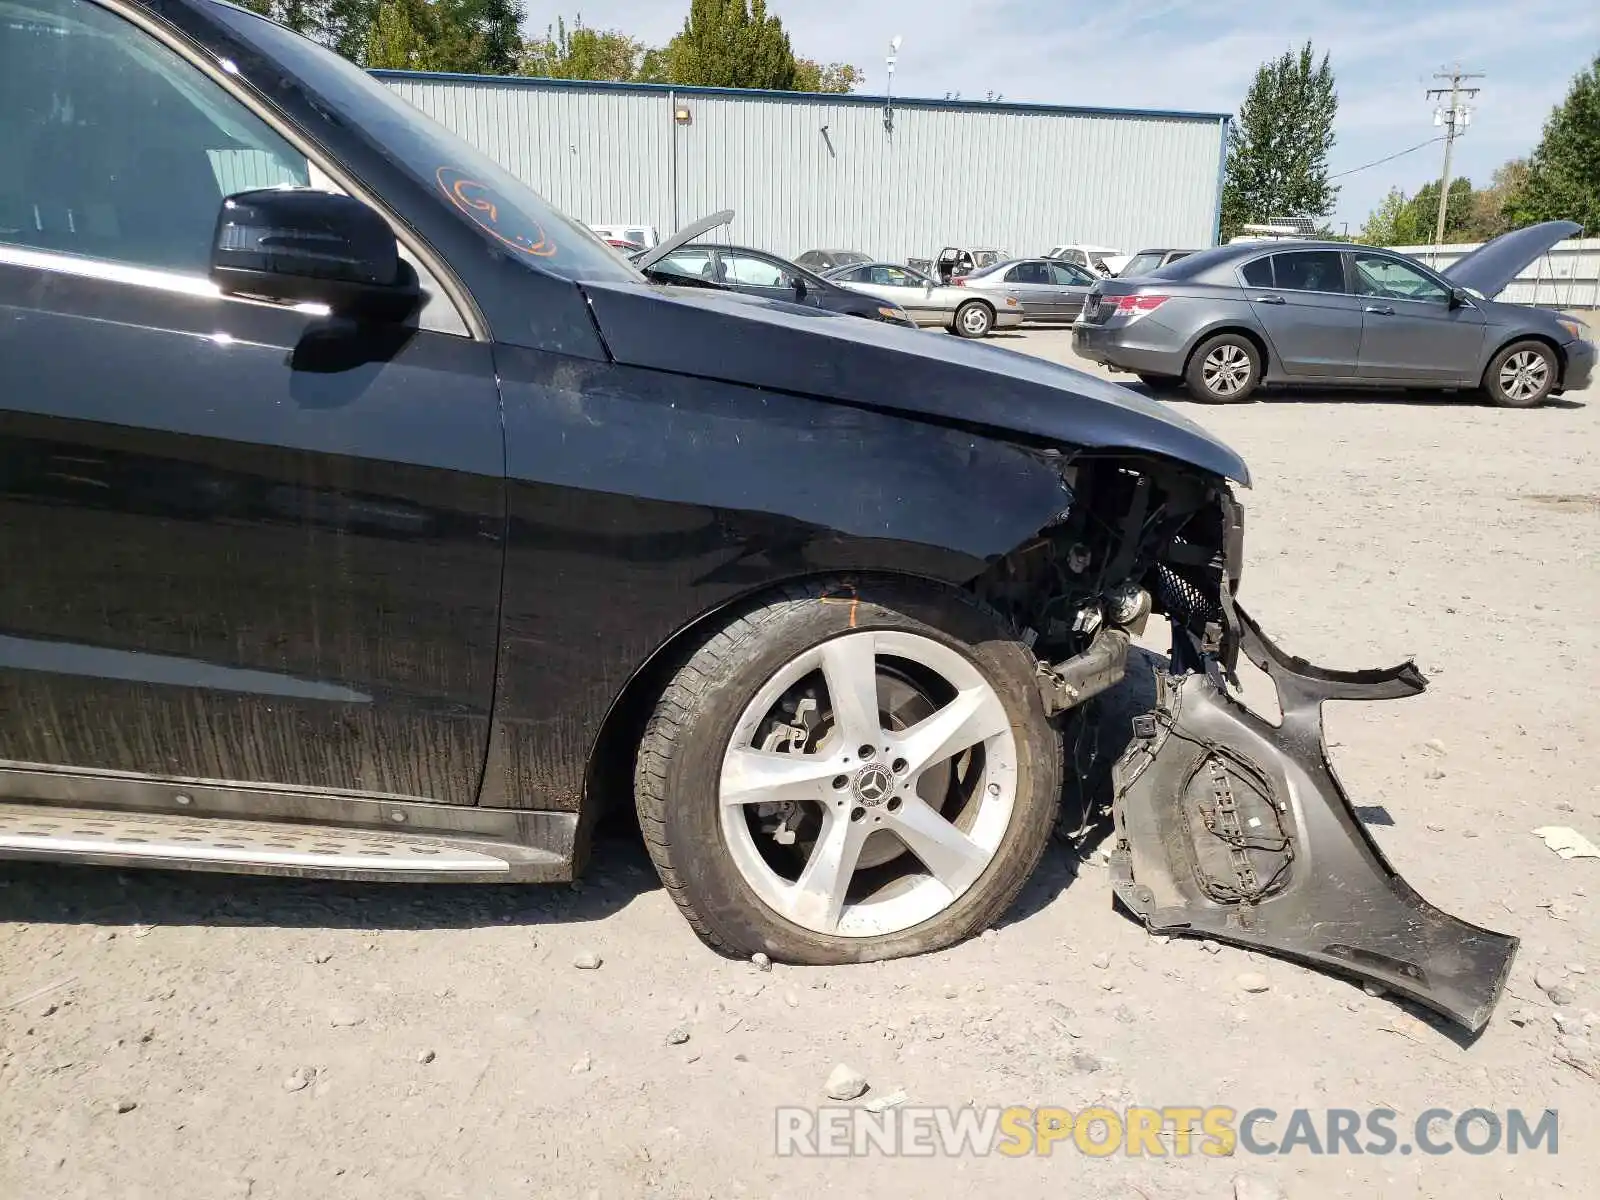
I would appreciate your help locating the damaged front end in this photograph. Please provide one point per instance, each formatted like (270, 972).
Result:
(1226, 826)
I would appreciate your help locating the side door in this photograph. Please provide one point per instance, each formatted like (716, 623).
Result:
(1312, 321)
(242, 542)
(1032, 283)
(1072, 288)
(1410, 330)
(905, 288)
(761, 276)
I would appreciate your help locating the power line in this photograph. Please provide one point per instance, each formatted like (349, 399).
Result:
(1389, 158)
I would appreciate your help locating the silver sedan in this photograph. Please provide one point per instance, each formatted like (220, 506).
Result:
(929, 303)
(1047, 290)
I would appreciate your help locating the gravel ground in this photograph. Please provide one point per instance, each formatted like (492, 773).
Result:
(185, 1036)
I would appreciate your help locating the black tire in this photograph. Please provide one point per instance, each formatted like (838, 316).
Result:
(1522, 375)
(974, 319)
(678, 772)
(1228, 385)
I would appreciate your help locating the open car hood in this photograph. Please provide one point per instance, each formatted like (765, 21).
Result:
(812, 352)
(1492, 266)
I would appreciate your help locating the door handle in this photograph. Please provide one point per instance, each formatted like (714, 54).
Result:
(1271, 300)
(1383, 310)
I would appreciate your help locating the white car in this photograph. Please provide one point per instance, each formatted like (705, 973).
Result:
(640, 234)
(1102, 260)
(927, 302)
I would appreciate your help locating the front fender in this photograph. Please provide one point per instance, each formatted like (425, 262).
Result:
(639, 500)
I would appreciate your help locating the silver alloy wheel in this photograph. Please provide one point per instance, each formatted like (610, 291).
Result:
(866, 781)
(1226, 370)
(1524, 374)
(975, 318)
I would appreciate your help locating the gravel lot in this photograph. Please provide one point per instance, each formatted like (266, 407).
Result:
(184, 1036)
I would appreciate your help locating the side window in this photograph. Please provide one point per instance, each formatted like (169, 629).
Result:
(754, 272)
(637, 236)
(1067, 276)
(114, 147)
(1028, 272)
(1380, 275)
(1258, 273)
(1309, 271)
(1077, 256)
(694, 263)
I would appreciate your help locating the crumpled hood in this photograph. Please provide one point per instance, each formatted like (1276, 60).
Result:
(785, 347)
(1490, 268)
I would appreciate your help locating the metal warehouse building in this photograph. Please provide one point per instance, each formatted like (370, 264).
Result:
(850, 172)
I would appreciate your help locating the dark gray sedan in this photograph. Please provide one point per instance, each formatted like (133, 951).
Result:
(1327, 314)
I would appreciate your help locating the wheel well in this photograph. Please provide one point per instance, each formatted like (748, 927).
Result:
(1248, 335)
(608, 780)
(1555, 349)
(989, 304)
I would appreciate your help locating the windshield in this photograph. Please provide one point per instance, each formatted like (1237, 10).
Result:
(480, 191)
(988, 258)
(846, 258)
(1141, 264)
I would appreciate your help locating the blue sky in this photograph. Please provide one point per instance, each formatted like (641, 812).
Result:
(1184, 54)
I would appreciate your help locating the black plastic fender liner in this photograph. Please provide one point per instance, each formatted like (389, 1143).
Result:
(1231, 828)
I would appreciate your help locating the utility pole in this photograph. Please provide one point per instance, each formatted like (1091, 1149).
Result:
(1455, 119)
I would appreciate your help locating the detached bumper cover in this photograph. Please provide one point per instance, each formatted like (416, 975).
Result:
(1231, 828)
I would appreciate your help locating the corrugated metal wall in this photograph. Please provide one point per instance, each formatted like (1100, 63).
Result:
(1567, 277)
(815, 172)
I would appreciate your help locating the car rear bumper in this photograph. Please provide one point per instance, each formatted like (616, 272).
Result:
(1579, 372)
(1144, 347)
(1007, 318)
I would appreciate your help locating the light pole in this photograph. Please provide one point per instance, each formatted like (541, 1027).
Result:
(888, 98)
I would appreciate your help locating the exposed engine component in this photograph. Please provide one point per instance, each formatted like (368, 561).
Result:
(1128, 605)
(1099, 668)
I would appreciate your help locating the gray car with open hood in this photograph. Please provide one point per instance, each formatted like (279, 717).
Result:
(1329, 314)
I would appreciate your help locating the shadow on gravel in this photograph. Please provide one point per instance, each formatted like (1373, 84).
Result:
(1421, 398)
(1093, 745)
(47, 893)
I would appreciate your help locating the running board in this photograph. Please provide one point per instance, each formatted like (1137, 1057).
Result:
(174, 841)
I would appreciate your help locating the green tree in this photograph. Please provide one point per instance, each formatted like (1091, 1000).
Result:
(1563, 177)
(481, 37)
(1384, 225)
(403, 38)
(582, 53)
(1424, 213)
(1488, 217)
(729, 43)
(342, 25)
(1278, 147)
(812, 76)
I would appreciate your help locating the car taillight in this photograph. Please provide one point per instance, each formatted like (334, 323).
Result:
(1134, 305)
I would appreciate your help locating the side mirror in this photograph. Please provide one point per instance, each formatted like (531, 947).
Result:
(799, 288)
(1460, 297)
(295, 246)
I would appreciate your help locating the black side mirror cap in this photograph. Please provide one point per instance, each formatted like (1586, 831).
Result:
(1460, 297)
(297, 246)
(799, 288)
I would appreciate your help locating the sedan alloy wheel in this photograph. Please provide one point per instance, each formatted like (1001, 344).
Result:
(895, 810)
